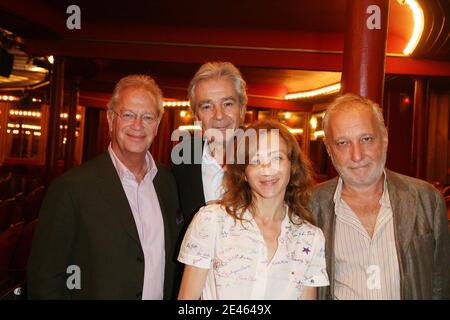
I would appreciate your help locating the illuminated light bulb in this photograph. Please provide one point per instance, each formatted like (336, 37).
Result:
(190, 127)
(313, 122)
(318, 134)
(295, 130)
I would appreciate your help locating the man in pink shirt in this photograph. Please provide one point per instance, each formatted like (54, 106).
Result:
(107, 229)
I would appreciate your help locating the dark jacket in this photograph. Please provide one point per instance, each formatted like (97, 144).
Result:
(85, 220)
(189, 180)
(421, 235)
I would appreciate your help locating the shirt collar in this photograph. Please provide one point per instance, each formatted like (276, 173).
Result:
(125, 173)
(384, 200)
(207, 158)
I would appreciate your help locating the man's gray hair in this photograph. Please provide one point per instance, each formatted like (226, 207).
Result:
(137, 81)
(349, 101)
(217, 70)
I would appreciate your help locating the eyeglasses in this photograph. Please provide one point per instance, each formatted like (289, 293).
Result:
(129, 116)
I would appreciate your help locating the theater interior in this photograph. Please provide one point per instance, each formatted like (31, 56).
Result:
(59, 65)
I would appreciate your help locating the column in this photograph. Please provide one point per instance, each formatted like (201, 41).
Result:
(56, 103)
(365, 48)
(420, 129)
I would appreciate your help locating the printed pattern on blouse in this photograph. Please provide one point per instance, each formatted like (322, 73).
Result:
(236, 255)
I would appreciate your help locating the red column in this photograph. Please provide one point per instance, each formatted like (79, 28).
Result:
(420, 129)
(56, 103)
(365, 48)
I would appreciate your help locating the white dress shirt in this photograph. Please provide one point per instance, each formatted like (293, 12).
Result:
(212, 176)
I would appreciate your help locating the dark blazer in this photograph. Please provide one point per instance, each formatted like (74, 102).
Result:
(85, 220)
(189, 181)
(420, 229)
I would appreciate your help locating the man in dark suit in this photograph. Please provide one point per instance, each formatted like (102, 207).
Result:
(218, 98)
(107, 229)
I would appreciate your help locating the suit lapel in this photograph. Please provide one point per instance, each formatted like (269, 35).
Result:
(197, 180)
(404, 211)
(114, 196)
(328, 227)
(158, 184)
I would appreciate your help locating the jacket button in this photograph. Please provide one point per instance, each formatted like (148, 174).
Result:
(139, 295)
(140, 259)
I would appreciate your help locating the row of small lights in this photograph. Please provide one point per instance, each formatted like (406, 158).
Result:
(30, 126)
(8, 98)
(13, 98)
(35, 133)
(34, 114)
(312, 93)
(66, 116)
(27, 132)
(37, 114)
(176, 104)
(24, 126)
(165, 104)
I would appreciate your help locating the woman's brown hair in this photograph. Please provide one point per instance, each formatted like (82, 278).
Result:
(238, 196)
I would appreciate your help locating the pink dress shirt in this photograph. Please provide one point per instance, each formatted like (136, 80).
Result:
(147, 215)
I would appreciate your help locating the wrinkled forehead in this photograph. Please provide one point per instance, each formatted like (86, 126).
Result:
(349, 116)
(132, 96)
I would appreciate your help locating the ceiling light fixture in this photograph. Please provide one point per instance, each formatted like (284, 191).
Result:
(419, 22)
(312, 93)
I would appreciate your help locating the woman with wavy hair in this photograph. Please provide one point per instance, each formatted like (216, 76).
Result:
(258, 242)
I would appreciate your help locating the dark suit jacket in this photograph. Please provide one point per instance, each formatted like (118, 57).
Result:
(85, 220)
(189, 181)
(420, 229)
